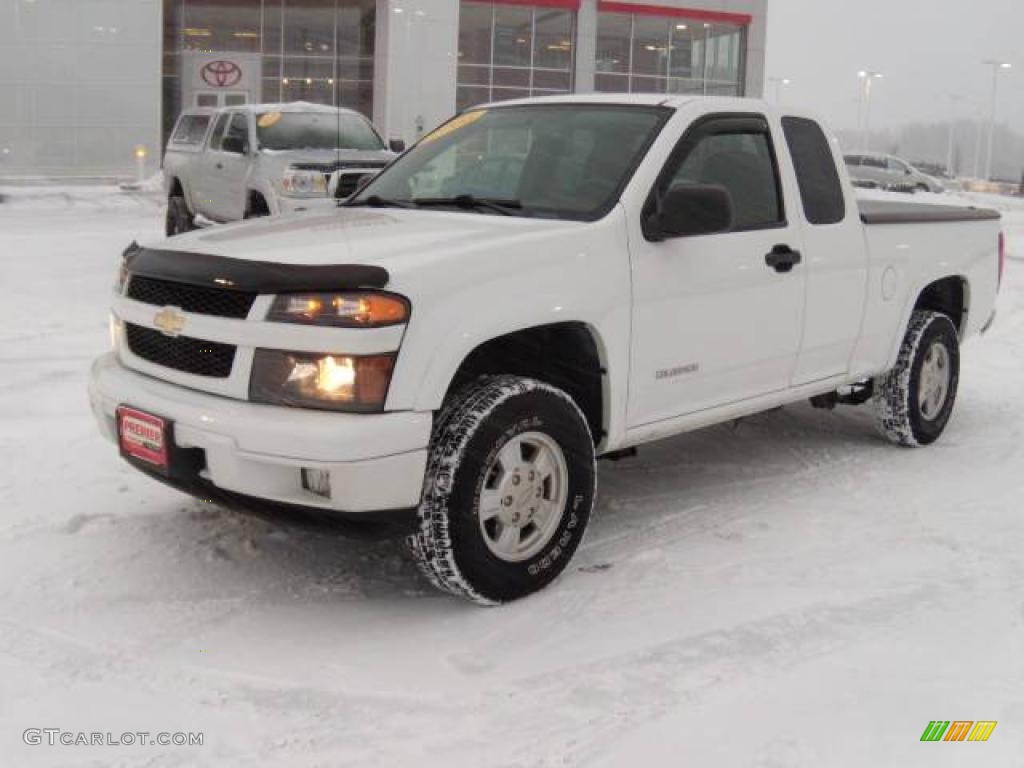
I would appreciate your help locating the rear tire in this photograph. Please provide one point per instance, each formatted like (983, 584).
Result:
(179, 217)
(914, 401)
(508, 491)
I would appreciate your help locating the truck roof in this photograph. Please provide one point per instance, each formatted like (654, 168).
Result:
(639, 99)
(291, 106)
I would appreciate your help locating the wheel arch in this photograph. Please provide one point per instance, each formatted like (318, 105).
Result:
(950, 296)
(569, 355)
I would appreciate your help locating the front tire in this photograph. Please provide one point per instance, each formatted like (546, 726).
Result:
(179, 217)
(508, 490)
(914, 401)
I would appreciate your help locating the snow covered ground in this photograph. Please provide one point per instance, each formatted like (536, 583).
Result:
(787, 592)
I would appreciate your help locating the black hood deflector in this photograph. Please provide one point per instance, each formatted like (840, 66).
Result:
(250, 276)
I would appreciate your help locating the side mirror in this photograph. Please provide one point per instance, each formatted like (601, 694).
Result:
(397, 146)
(235, 144)
(689, 210)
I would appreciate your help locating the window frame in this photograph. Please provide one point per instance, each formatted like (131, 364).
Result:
(719, 123)
(220, 127)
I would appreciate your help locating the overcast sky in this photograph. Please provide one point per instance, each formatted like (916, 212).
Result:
(927, 50)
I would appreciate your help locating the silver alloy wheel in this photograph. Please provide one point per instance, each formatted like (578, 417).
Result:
(933, 384)
(521, 502)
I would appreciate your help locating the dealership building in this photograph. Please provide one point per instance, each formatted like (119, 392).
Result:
(85, 84)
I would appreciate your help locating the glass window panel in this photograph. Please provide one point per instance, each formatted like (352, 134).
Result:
(650, 45)
(272, 20)
(271, 90)
(357, 95)
(516, 78)
(475, 32)
(611, 83)
(473, 74)
(173, 17)
(355, 69)
(309, 27)
(513, 35)
(272, 66)
(467, 96)
(648, 84)
(546, 79)
(303, 89)
(300, 67)
(221, 25)
(356, 27)
(724, 44)
(553, 43)
(685, 85)
(504, 94)
(613, 41)
(687, 51)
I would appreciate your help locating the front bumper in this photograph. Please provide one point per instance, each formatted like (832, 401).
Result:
(376, 462)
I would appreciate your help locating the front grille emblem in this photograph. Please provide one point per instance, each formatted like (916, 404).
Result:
(170, 321)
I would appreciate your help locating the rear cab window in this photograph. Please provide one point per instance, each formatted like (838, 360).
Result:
(821, 191)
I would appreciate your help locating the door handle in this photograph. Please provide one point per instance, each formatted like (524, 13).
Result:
(783, 258)
(220, 166)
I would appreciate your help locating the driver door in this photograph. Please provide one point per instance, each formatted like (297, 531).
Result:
(229, 170)
(716, 318)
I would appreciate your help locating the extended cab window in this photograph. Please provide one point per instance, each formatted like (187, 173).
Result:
(191, 130)
(738, 156)
(820, 189)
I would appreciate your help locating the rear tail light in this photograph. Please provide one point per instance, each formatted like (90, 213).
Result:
(1002, 257)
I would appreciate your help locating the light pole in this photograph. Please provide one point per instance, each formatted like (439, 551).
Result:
(997, 68)
(779, 82)
(866, 79)
(951, 156)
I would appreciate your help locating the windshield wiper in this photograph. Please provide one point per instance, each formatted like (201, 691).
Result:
(469, 202)
(376, 201)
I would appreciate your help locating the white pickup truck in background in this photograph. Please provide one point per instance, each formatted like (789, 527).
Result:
(265, 159)
(534, 285)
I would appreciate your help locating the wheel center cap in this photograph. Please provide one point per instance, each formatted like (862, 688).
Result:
(520, 499)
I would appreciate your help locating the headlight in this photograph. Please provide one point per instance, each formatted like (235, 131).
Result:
(122, 278)
(296, 183)
(332, 382)
(343, 310)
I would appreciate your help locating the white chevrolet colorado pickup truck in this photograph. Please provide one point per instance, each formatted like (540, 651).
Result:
(536, 284)
(265, 159)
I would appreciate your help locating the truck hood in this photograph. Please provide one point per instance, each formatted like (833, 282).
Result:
(401, 241)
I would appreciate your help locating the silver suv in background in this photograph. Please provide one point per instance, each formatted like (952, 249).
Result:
(264, 159)
(879, 171)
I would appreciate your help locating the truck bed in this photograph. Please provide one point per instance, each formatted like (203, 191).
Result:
(876, 212)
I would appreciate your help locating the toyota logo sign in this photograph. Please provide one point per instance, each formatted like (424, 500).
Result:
(221, 74)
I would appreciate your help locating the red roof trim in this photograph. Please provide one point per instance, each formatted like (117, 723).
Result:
(569, 5)
(697, 14)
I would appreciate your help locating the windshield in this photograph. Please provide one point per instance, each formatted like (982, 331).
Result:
(315, 130)
(557, 161)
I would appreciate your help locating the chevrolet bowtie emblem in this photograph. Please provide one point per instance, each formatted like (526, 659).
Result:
(170, 321)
